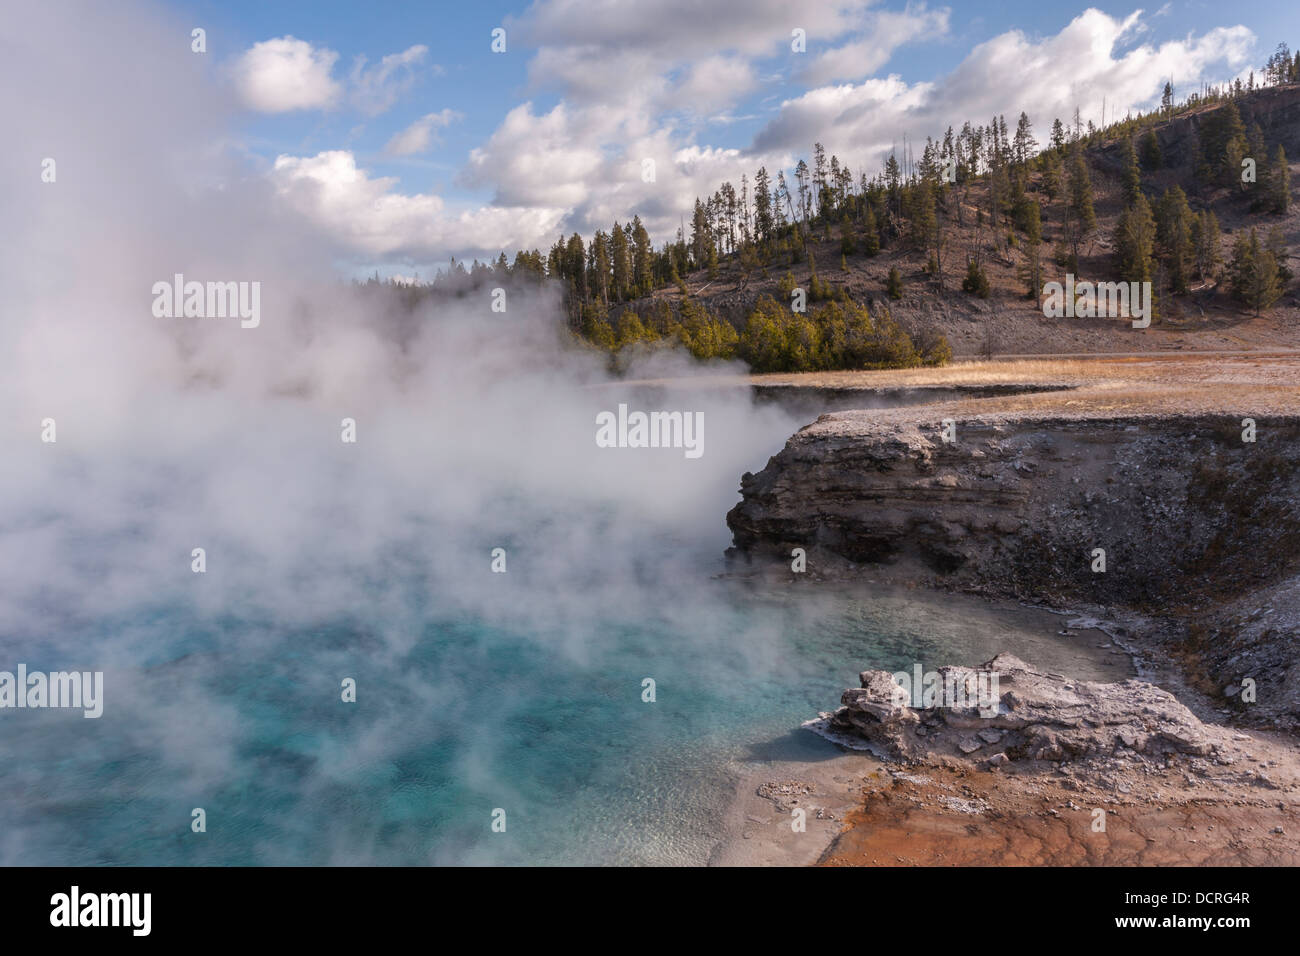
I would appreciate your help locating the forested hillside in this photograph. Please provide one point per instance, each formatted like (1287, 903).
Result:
(829, 267)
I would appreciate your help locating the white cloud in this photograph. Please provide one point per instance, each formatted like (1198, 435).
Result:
(563, 160)
(419, 136)
(535, 159)
(1047, 78)
(675, 31)
(375, 90)
(661, 54)
(595, 76)
(883, 34)
(368, 216)
(716, 82)
(284, 74)
(362, 212)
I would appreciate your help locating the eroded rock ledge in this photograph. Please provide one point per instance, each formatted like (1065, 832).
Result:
(1033, 717)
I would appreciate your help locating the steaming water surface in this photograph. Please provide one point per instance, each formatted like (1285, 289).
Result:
(475, 690)
(471, 717)
(371, 561)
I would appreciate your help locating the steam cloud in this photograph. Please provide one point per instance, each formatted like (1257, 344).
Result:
(475, 431)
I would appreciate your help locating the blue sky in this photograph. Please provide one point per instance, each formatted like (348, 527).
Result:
(550, 135)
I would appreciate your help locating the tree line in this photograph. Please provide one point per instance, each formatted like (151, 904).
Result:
(1006, 188)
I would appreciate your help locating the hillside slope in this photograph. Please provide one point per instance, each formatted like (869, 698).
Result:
(1009, 321)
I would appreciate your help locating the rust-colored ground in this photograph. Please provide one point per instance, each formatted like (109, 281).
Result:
(1035, 821)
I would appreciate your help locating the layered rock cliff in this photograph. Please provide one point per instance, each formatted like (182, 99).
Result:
(1183, 508)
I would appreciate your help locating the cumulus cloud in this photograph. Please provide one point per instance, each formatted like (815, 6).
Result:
(366, 215)
(1086, 62)
(717, 82)
(654, 55)
(283, 74)
(419, 136)
(565, 160)
(537, 159)
(672, 30)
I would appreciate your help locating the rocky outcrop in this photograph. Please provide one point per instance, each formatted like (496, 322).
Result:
(1033, 716)
(1182, 508)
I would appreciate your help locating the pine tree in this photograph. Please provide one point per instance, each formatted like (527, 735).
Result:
(870, 232)
(1051, 176)
(1135, 237)
(848, 241)
(642, 264)
(999, 190)
(1223, 146)
(622, 263)
(1025, 145)
(819, 179)
(893, 180)
(1278, 68)
(1033, 247)
(699, 236)
(922, 217)
(1276, 244)
(1058, 135)
(1081, 218)
(762, 205)
(1258, 151)
(1205, 241)
(1150, 152)
(801, 180)
(575, 260)
(894, 287)
(1255, 277)
(600, 266)
(976, 281)
(597, 330)
(1242, 264)
(1132, 176)
(1280, 183)
(1174, 233)
(1081, 192)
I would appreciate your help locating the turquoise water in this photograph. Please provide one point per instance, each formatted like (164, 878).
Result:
(244, 718)
(475, 690)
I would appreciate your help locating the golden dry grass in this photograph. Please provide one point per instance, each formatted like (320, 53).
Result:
(1178, 383)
